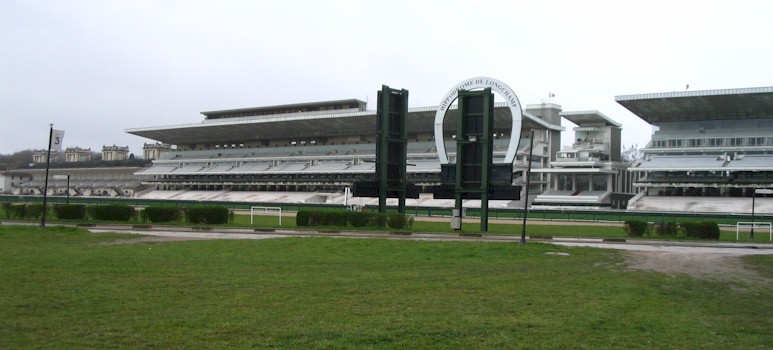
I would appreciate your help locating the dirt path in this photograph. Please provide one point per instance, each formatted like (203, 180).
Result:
(713, 266)
(155, 239)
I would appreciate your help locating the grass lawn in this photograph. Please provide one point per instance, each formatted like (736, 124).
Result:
(67, 288)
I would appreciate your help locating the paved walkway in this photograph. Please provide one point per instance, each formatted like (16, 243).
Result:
(665, 246)
(622, 244)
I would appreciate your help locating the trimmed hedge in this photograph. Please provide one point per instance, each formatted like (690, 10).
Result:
(23, 211)
(352, 218)
(703, 230)
(111, 212)
(665, 228)
(161, 214)
(636, 228)
(15, 211)
(399, 221)
(209, 214)
(70, 211)
(302, 218)
(362, 219)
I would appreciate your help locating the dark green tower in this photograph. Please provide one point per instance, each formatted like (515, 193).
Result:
(392, 146)
(474, 149)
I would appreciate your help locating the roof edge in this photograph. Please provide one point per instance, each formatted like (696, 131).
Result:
(695, 93)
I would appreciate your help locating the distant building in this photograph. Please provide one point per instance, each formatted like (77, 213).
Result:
(155, 150)
(77, 154)
(115, 153)
(41, 156)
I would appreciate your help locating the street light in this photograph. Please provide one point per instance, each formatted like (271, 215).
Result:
(65, 177)
(528, 183)
(754, 196)
(45, 186)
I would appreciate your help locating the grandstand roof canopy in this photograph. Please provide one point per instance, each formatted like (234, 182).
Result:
(682, 163)
(341, 105)
(589, 117)
(309, 125)
(745, 103)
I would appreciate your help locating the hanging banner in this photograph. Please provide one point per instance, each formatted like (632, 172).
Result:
(56, 140)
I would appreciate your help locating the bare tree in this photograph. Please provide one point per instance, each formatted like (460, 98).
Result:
(17, 160)
(632, 154)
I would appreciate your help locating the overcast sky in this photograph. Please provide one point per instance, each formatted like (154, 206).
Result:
(96, 68)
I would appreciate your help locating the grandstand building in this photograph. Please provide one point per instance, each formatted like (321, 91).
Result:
(77, 174)
(313, 152)
(588, 174)
(9, 180)
(93, 178)
(711, 151)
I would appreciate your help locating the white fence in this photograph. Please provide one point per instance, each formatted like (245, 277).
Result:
(266, 209)
(754, 225)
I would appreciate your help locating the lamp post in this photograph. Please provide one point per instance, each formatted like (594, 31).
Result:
(45, 185)
(754, 196)
(762, 191)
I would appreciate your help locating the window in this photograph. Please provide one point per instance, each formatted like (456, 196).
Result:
(735, 141)
(599, 182)
(583, 182)
(755, 141)
(566, 155)
(715, 142)
(675, 143)
(565, 182)
(696, 142)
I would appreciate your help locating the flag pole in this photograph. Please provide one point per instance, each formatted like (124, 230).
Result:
(45, 186)
(528, 184)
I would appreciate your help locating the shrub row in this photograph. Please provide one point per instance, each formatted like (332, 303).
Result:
(210, 214)
(636, 228)
(23, 211)
(161, 214)
(703, 230)
(70, 211)
(111, 212)
(119, 212)
(352, 218)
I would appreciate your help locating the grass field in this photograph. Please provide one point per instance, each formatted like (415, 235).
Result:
(67, 288)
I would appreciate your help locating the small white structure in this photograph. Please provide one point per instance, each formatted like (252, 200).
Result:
(589, 173)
